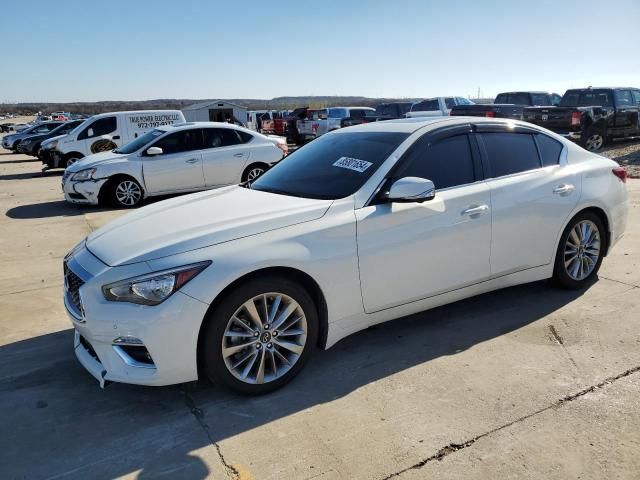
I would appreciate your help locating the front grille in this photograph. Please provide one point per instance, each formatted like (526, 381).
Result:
(72, 284)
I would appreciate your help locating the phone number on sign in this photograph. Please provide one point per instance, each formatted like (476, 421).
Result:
(153, 124)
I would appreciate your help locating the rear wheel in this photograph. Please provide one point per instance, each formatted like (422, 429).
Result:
(593, 140)
(253, 172)
(259, 337)
(580, 252)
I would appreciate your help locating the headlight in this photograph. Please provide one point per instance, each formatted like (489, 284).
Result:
(83, 175)
(52, 145)
(153, 288)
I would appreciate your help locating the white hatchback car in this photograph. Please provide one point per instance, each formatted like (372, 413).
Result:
(363, 225)
(183, 157)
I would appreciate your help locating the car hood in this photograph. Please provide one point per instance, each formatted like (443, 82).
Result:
(95, 160)
(52, 139)
(198, 220)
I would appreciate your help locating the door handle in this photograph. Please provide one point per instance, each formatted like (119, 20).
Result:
(117, 137)
(476, 211)
(564, 189)
(191, 160)
(238, 155)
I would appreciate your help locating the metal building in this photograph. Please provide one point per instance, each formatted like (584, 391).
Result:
(216, 111)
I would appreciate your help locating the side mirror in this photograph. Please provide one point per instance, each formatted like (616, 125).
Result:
(90, 132)
(412, 189)
(151, 151)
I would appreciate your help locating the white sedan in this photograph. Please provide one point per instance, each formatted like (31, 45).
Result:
(361, 226)
(177, 158)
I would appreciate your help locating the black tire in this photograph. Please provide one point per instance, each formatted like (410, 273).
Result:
(113, 192)
(71, 159)
(211, 359)
(561, 276)
(251, 172)
(594, 139)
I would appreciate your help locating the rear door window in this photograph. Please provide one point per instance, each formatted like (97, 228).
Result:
(447, 162)
(636, 97)
(510, 153)
(549, 148)
(449, 102)
(223, 137)
(623, 98)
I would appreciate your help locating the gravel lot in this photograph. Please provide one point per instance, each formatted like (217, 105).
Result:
(528, 382)
(626, 153)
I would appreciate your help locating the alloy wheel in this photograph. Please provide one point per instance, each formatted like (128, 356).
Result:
(594, 142)
(582, 250)
(254, 173)
(264, 338)
(128, 193)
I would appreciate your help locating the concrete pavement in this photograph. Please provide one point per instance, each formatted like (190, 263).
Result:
(528, 382)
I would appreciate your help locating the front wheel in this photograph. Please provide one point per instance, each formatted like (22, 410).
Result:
(259, 337)
(124, 192)
(580, 252)
(71, 160)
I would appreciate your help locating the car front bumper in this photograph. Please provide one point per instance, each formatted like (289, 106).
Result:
(166, 335)
(85, 193)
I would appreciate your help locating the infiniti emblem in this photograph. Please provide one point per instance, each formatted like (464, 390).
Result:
(266, 337)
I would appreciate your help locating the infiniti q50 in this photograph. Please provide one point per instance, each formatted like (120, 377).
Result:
(361, 226)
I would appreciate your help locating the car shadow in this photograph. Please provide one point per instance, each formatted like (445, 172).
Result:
(61, 208)
(57, 208)
(26, 160)
(57, 407)
(29, 175)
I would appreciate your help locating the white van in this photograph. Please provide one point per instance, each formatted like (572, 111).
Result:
(107, 131)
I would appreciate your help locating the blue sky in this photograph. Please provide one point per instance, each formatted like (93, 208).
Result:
(70, 50)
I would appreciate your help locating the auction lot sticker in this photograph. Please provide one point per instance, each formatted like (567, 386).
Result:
(352, 164)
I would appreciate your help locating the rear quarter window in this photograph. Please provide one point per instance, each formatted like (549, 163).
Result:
(549, 148)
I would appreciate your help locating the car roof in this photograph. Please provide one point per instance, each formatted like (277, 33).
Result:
(188, 125)
(413, 124)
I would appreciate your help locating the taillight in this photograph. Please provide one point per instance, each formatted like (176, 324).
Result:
(284, 147)
(489, 114)
(621, 173)
(575, 119)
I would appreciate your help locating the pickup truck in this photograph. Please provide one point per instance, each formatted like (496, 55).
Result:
(436, 107)
(592, 116)
(507, 105)
(319, 122)
(393, 111)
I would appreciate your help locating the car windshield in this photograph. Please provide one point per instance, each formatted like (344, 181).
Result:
(586, 98)
(64, 128)
(139, 142)
(332, 166)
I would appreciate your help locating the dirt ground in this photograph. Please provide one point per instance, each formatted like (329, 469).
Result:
(626, 153)
(527, 382)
